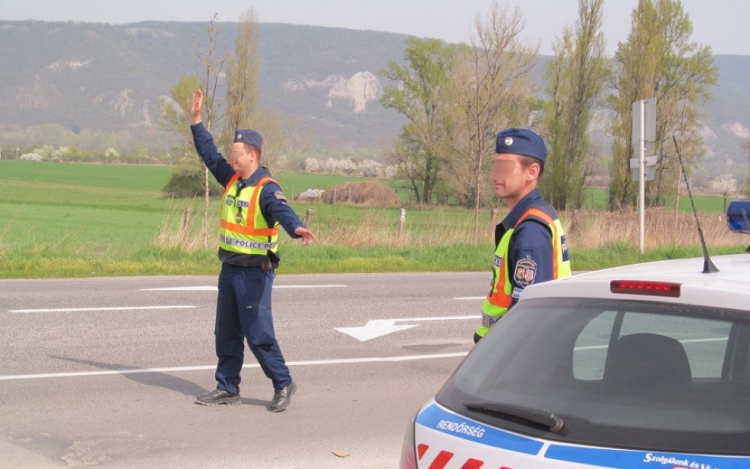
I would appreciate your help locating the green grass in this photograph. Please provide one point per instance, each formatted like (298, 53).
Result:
(81, 220)
(622, 254)
(596, 198)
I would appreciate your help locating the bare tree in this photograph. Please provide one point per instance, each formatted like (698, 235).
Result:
(211, 63)
(489, 91)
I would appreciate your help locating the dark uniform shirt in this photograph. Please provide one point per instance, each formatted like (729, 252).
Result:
(530, 249)
(273, 204)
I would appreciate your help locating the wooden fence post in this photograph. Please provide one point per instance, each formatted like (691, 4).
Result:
(493, 221)
(401, 221)
(308, 218)
(186, 224)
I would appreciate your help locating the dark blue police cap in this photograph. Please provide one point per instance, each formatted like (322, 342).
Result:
(250, 137)
(521, 142)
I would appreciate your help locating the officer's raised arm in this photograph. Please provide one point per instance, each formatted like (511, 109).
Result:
(195, 108)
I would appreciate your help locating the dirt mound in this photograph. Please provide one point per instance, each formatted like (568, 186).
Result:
(361, 193)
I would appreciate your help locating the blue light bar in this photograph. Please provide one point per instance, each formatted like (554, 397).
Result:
(738, 214)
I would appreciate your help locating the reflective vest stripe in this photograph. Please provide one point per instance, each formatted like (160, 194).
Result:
(242, 229)
(230, 184)
(246, 244)
(502, 296)
(254, 205)
(533, 212)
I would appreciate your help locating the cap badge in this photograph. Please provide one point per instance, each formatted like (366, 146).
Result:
(508, 141)
(239, 136)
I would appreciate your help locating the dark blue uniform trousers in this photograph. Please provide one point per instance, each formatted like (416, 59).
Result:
(243, 310)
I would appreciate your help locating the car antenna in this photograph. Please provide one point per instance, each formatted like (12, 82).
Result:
(708, 266)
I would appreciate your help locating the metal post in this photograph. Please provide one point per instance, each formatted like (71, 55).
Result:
(642, 158)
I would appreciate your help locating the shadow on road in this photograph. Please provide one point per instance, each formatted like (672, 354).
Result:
(155, 378)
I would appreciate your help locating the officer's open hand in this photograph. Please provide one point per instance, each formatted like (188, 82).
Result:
(195, 107)
(306, 235)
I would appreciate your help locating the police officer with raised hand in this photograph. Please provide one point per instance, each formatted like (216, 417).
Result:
(254, 207)
(530, 242)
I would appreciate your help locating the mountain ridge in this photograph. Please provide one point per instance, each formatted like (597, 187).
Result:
(111, 77)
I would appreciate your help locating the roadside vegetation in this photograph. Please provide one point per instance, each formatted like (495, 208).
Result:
(81, 220)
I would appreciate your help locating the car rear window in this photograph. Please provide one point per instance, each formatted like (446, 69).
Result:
(627, 374)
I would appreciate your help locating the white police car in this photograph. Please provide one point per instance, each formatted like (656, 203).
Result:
(644, 366)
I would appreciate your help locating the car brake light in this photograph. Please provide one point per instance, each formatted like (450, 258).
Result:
(641, 287)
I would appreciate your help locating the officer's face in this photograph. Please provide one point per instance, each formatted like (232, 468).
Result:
(241, 157)
(511, 179)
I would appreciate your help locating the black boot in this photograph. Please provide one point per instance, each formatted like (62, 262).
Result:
(282, 397)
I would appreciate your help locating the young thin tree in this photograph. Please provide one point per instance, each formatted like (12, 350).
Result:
(574, 79)
(489, 91)
(242, 79)
(419, 97)
(211, 64)
(282, 135)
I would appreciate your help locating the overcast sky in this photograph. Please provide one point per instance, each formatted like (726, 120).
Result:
(722, 24)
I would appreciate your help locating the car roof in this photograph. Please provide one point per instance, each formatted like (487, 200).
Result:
(728, 288)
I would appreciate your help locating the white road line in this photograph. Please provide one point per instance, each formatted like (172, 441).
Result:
(119, 308)
(209, 288)
(340, 361)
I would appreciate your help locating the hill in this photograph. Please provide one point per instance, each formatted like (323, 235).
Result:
(103, 76)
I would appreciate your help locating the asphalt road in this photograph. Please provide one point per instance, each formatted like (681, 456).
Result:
(103, 372)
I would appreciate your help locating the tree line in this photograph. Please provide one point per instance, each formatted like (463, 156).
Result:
(457, 97)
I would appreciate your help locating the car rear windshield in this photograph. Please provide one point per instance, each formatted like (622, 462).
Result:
(627, 374)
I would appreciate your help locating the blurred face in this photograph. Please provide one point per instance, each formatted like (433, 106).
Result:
(513, 181)
(243, 159)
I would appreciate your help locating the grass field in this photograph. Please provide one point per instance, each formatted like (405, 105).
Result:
(78, 220)
(596, 198)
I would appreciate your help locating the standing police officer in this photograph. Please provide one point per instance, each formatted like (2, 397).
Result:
(530, 243)
(253, 208)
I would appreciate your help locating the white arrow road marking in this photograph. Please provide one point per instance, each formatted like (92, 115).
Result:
(207, 288)
(119, 308)
(380, 327)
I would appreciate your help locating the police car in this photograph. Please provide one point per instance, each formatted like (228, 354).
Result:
(643, 366)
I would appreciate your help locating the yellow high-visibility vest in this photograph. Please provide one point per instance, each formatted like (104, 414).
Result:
(501, 293)
(244, 229)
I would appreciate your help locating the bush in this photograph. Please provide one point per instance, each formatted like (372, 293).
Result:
(187, 183)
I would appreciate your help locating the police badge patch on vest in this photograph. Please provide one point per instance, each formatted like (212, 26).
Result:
(525, 272)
